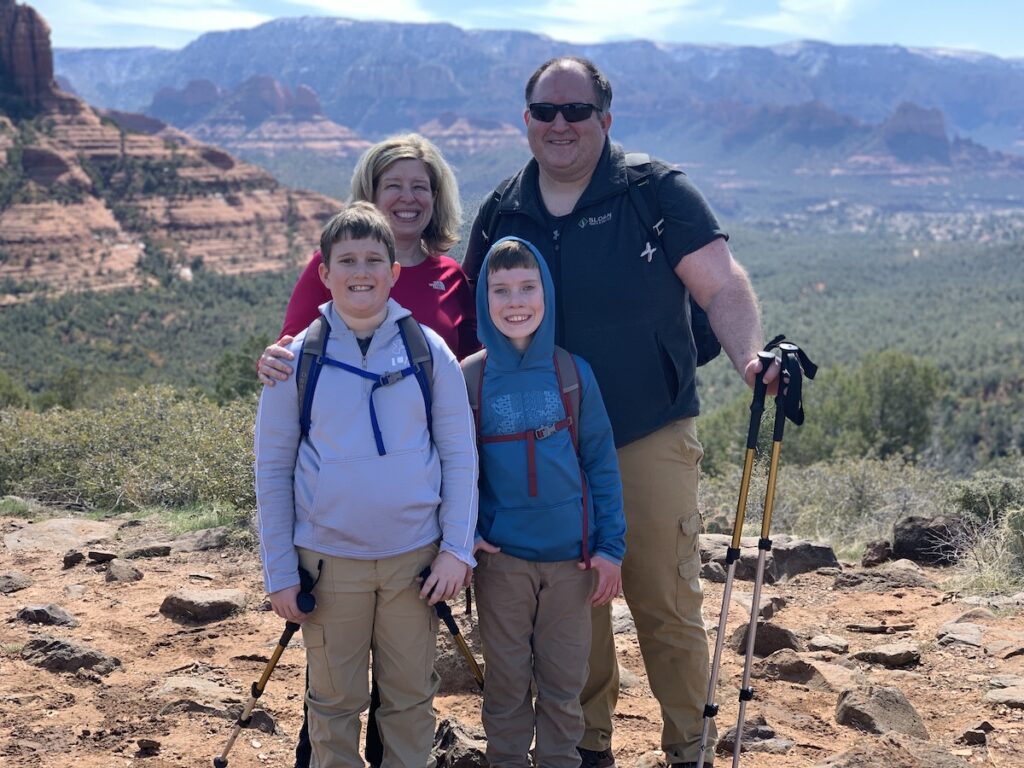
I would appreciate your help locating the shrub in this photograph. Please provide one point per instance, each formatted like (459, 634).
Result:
(152, 447)
(845, 503)
(987, 495)
(990, 555)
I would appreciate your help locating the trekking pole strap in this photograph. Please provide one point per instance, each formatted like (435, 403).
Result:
(795, 365)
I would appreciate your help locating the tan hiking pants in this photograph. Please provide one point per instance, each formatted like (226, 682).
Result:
(661, 585)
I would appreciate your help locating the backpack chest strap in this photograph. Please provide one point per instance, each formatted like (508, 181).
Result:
(531, 436)
(379, 380)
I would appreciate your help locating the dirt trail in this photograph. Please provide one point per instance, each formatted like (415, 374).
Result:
(84, 720)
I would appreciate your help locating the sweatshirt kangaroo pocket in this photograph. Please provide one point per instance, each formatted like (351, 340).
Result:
(546, 533)
(377, 503)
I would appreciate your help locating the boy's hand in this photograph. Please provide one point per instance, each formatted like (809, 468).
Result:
(609, 580)
(285, 605)
(271, 366)
(478, 545)
(447, 574)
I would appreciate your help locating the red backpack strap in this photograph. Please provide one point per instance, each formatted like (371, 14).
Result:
(569, 383)
(473, 372)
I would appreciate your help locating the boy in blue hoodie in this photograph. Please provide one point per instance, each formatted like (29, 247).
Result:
(551, 526)
(374, 493)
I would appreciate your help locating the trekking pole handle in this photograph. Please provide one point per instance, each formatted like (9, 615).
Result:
(757, 403)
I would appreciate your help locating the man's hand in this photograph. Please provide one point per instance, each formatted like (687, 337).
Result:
(771, 378)
(271, 368)
(609, 580)
(447, 575)
(285, 605)
(478, 546)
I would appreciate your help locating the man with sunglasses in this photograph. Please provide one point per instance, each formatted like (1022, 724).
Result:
(621, 287)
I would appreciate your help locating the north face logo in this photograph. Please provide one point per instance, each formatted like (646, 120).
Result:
(437, 285)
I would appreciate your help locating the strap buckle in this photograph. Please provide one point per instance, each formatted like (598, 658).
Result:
(389, 378)
(546, 431)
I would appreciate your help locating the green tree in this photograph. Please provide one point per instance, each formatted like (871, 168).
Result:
(236, 370)
(66, 391)
(12, 394)
(898, 400)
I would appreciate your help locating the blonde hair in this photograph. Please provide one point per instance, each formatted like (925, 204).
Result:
(443, 230)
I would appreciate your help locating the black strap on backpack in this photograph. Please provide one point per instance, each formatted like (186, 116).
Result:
(312, 359)
(644, 198)
(568, 376)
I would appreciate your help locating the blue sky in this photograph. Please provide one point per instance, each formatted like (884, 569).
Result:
(990, 26)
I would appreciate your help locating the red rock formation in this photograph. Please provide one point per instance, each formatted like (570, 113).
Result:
(91, 191)
(26, 60)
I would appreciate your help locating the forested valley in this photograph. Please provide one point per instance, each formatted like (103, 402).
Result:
(145, 397)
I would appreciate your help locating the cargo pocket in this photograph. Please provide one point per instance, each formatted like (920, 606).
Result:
(320, 681)
(688, 557)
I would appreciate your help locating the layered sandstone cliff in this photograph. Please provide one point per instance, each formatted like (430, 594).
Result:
(85, 197)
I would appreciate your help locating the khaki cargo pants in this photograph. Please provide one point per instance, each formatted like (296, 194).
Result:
(661, 585)
(363, 604)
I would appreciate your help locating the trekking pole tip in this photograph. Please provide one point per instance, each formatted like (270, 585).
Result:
(220, 762)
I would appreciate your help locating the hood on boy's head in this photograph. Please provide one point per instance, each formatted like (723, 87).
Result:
(499, 348)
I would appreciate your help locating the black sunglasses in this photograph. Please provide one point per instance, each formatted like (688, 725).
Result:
(573, 113)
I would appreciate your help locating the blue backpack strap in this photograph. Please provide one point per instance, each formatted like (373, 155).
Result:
(422, 358)
(314, 357)
(310, 364)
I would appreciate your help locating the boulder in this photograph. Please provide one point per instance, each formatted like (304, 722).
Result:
(459, 746)
(894, 750)
(122, 571)
(768, 639)
(1008, 697)
(892, 655)
(50, 614)
(14, 581)
(198, 541)
(210, 605)
(796, 556)
(879, 709)
(59, 655)
(59, 534)
(927, 539)
(768, 604)
(876, 552)
(831, 643)
(961, 633)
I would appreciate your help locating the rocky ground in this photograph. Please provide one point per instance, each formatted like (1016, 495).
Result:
(145, 660)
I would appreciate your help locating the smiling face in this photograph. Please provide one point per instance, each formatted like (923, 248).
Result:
(405, 196)
(360, 276)
(515, 298)
(566, 152)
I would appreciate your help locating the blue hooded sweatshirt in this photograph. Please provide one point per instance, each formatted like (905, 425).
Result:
(520, 392)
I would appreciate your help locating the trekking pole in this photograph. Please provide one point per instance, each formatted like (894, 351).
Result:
(444, 613)
(787, 405)
(306, 603)
(732, 553)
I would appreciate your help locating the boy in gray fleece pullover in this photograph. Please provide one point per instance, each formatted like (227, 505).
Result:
(374, 494)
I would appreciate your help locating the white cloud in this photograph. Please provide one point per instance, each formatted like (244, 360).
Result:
(170, 22)
(803, 18)
(392, 10)
(589, 21)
